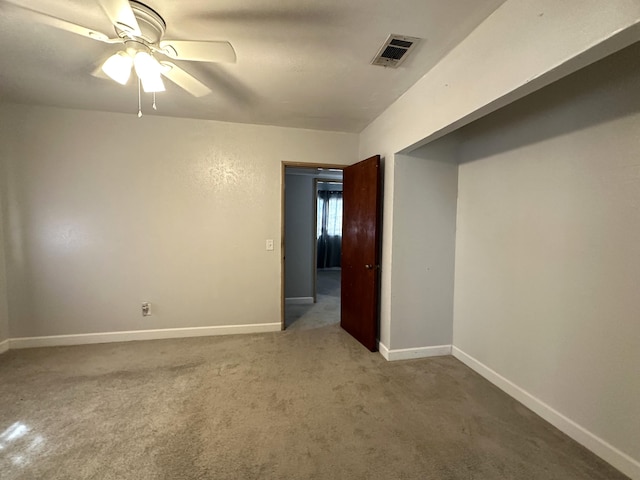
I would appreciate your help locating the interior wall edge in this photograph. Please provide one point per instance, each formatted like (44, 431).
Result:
(614, 43)
(4, 297)
(383, 350)
(386, 248)
(620, 460)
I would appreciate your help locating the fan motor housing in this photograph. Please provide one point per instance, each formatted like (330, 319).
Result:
(151, 24)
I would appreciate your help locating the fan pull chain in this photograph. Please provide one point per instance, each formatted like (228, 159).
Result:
(139, 100)
(154, 101)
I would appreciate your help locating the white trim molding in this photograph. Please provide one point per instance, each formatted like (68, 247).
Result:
(620, 460)
(4, 346)
(384, 351)
(412, 353)
(127, 336)
(298, 300)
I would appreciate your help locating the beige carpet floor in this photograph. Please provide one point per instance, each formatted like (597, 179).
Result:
(307, 404)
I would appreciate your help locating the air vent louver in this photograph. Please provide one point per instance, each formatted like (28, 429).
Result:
(394, 50)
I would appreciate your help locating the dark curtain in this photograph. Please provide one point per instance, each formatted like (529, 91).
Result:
(329, 228)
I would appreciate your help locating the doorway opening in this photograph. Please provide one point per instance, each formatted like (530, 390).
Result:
(312, 234)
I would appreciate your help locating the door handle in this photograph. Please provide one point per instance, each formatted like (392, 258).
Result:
(372, 267)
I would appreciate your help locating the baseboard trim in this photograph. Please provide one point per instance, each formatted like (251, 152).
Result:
(4, 346)
(620, 460)
(412, 353)
(384, 351)
(298, 300)
(127, 336)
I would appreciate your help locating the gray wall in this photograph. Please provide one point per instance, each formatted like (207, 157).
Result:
(4, 312)
(527, 51)
(548, 247)
(424, 225)
(299, 235)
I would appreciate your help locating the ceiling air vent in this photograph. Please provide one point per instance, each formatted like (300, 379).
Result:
(394, 51)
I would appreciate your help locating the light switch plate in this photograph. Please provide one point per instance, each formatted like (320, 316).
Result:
(269, 244)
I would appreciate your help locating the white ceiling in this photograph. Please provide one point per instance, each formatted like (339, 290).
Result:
(301, 63)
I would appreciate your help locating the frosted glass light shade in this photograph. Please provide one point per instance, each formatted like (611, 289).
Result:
(118, 67)
(148, 69)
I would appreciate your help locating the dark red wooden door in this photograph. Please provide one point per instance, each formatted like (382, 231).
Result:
(361, 251)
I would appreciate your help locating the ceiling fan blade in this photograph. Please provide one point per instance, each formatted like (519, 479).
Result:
(184, 80)
(55, 22)
(198, 51)
(121, 15)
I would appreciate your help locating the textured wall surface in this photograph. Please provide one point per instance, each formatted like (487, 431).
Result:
(548, 247)
(105, 211)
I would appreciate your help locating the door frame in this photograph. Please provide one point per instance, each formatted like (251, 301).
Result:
(282, 225)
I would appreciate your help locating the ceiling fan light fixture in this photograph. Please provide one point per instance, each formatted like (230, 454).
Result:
(148, 70)
(140, 33)
(118, 67)
(152, 84)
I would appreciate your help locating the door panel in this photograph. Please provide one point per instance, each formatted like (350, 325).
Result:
(359, 301)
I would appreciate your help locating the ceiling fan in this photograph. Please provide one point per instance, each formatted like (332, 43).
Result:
(140, 30)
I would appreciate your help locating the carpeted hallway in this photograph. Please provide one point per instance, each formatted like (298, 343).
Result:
(326, 310)
(306, 404)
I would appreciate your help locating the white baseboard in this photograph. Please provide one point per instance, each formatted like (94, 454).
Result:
(412, 353)
(384, 351)
(4, 346)
(298, 300)
(620, 460)
(127, 336)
